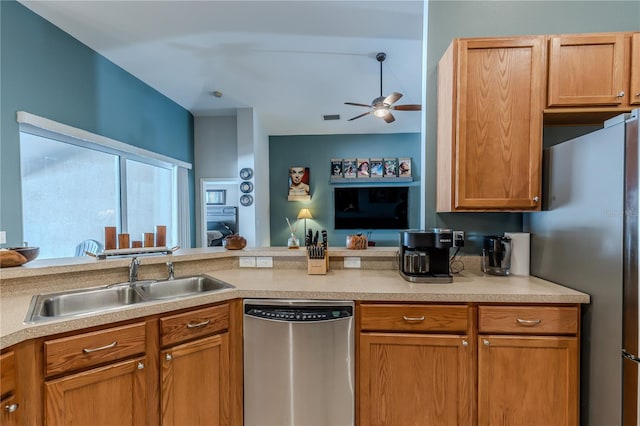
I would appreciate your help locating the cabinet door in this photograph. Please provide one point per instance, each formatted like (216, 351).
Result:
(635, 69)
(409, 379)
(499, 123)
(528, 381)
(195, 382)
(587, 69)
(110, 395)
(8, 382)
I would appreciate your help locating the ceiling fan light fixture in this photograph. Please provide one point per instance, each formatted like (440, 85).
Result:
(380, 111)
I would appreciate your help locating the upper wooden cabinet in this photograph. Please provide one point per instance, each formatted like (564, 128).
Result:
(635, 69)
(588, 69)
(490, 103)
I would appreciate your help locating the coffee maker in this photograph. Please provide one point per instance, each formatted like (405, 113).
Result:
(424, 255)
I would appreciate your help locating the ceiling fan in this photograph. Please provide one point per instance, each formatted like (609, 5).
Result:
(381, 106)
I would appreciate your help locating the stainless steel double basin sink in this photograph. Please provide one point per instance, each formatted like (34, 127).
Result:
(72, 303)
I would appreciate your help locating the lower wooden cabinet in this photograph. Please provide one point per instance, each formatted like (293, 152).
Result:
(112, 395)
(195, 383)
(528, 365)
(414, 380)
(528, 380)
(9, 403)
(415, 365)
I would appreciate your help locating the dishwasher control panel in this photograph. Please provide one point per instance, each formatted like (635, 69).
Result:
(299, 313)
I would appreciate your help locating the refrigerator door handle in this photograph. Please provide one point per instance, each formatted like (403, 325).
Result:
(632, 357)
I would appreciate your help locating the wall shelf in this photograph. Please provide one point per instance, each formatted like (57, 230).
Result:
(370, 180)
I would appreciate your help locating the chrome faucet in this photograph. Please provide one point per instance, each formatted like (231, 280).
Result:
(170, 267)
(133, 270)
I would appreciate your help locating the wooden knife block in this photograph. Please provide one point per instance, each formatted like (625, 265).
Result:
(318, 266)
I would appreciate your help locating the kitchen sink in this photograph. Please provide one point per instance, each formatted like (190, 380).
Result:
(94, 300)
(178, 287)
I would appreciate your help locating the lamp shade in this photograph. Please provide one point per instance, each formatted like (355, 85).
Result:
(305, 214)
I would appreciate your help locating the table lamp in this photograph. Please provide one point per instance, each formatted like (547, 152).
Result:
(305, 214)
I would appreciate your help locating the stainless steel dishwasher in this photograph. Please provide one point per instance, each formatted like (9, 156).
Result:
(298, 363)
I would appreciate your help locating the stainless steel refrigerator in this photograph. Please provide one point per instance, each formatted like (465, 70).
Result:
(586, 238)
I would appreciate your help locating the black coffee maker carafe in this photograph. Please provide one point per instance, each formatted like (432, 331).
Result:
(496, 255)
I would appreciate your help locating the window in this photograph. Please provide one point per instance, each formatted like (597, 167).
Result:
(73, 187)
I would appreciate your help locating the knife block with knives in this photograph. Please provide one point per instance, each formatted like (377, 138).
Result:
(317, 253)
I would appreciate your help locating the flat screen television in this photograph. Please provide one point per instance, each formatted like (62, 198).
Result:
(384, 207)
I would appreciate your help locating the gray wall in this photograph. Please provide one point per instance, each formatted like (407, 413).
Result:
(452, 19)
(215, 147)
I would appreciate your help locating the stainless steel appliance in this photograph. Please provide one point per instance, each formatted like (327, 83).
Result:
(423, 256)
(496, 255)
(298, 363)
(587, 239)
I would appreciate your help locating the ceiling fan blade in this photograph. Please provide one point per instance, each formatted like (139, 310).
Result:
(355, 104)
(389, 118)
(408, 107)
(393, 97)
(358, 116)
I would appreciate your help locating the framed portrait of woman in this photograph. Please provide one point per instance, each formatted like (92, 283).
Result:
(299, 189)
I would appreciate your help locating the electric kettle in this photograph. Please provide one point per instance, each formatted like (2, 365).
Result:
(496, 255)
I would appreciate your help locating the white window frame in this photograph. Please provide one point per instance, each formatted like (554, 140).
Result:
(44, 127)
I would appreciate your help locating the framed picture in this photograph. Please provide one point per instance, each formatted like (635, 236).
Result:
(216, 197)
(404, 167)
(349, 167)
(390, 167)
(376, 168)
(336, 167)
(363, 167)
(299, 184)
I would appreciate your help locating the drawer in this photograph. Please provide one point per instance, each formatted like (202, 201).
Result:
(202, 322)
(97, 347)
(436, 318)
(7, 375)
(528, 319)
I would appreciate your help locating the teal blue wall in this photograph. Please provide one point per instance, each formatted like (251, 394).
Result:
(316, 153)
(46, 72)
(451, 19)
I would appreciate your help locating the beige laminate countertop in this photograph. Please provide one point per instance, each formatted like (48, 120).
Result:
(338, 284)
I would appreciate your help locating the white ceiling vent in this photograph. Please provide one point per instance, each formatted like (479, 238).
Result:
(329, 117)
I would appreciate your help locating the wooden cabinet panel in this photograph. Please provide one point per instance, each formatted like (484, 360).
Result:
(195, 383)
(528, 380)
(422, 318)
(490, 138)
(408, 379)
(8, 381)
(105, 396)
(7, 374)
(89, 349)
(528, 319)
(635, 69)
(189, 325)
(587, 69)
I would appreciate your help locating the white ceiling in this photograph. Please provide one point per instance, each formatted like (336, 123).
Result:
(292, 61)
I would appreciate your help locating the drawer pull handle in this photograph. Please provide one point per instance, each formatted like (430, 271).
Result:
(465, 343)
(101, 348)
(140, 366)
(168, 357)
(406, 318)
(486, 342)
(11, 408)
(528, 322)
(198, 325)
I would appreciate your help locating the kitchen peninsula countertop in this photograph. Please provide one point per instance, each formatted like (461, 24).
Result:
(337, 284)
